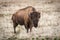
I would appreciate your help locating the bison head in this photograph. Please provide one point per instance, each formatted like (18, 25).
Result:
(35, 18)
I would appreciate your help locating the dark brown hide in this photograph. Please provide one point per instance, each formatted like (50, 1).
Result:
(35, 18)
(23, 17)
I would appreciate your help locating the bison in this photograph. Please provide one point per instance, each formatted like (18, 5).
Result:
(28, 17)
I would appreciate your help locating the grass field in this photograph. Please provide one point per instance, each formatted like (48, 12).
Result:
(49, 23)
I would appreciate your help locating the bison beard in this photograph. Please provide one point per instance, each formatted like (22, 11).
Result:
(27, 17)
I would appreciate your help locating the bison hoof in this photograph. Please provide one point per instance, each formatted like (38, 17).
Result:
(14, 32)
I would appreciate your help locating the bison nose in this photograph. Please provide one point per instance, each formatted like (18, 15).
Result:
(36, 26)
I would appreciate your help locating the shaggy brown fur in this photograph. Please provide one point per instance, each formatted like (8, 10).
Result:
(24, 17)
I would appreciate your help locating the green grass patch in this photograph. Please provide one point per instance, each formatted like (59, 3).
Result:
(32, 38)
(42, 38)
(37, 38)
(47, 38)
(55, 38)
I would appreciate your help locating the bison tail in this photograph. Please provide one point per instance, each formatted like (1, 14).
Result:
(12, 17)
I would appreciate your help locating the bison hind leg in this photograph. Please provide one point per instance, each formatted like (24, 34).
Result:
(14, 25)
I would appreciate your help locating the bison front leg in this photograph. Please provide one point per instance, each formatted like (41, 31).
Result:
(27, 29)
(30, 25)
(26, 26)
(14, 26)
(30, 29)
